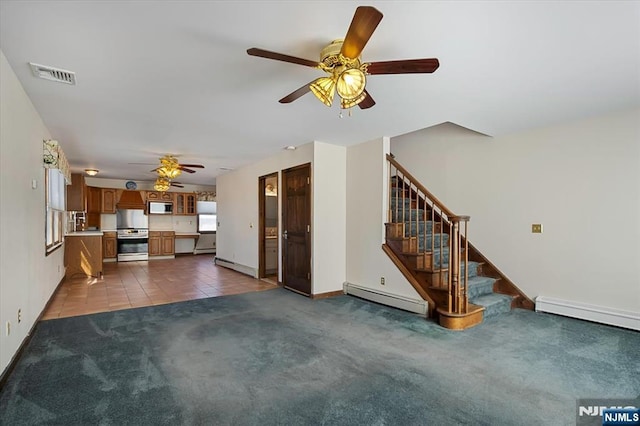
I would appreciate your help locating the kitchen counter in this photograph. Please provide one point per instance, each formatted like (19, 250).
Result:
(84, 234)
(187, 234)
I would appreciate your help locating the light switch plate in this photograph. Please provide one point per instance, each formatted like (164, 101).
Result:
(536, 228)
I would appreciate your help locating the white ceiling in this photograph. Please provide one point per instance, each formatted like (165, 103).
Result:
(174, 77)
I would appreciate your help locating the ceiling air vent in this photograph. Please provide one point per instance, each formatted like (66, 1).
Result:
(53, 74)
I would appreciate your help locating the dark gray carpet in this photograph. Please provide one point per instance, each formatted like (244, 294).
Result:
(275, 357)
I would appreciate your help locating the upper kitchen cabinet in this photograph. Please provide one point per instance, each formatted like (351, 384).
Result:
(108, 200)
(77, 194)
(159, 196)
(185, 204)
(94, 199)
(94, 203)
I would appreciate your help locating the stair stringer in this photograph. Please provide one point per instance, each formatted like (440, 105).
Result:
(435, 298)
(502, 285)
(413, 280)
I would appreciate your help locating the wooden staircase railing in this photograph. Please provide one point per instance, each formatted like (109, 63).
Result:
(416, 229)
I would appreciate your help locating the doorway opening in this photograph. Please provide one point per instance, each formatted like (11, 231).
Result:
(268, 208)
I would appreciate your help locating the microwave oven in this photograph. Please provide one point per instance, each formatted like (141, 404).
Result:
(160, 207)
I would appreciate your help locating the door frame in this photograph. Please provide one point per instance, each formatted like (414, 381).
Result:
(262, 183)
(283, 193)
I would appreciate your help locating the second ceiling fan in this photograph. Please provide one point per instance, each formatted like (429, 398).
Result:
(170, 168)
(341, 61)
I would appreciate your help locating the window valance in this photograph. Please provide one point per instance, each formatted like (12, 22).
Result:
(206, 195)
(54, 158)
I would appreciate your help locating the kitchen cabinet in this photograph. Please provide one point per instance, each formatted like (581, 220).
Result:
(94, 207)
(108, 204)
(168, 243)
(162, 243)
(83, 254)
(76, 194)
(185, 204)
(159, 196)
(109, 245)
(154, 243)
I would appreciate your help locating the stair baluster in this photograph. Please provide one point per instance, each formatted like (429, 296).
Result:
(430, 246)
(411, 207)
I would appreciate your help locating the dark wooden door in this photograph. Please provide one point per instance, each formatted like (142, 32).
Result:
(296, 229)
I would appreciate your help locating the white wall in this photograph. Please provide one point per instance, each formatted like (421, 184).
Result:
(27, 277)
(367, 183)
(237, 197)
(580, 180)
(329, 217)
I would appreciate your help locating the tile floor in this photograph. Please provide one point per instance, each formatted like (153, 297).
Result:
(126, 285)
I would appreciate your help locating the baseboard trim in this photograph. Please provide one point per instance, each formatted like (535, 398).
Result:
(601, 314)
(417, 306)
(328, 294)
(16, 356)
(243, 269)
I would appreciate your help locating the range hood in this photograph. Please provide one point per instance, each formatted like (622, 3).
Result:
(131, 200)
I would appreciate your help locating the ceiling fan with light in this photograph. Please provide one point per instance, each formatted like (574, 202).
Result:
(163, 184)
(170, 169)
(347, 74)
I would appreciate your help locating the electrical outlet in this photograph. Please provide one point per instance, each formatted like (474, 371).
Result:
(19, 316)
(381, 280)
(536, 228)
(8, 328)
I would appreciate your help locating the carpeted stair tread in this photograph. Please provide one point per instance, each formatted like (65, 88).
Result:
(480, 290)
(412, 228)
(409, 215)
(480, 286)
(493, 303)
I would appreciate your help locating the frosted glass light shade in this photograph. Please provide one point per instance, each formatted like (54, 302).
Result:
(324, 88)
(351, 83)
(349, 103)
(169, 172)
(162, 184)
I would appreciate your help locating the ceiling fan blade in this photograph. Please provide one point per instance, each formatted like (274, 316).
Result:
(196, 166)
(364, 23)
(187, 170)
(367, 102)
(408, 66)
(295, 94)
(177, 185)
(155, 170)
(254, 51)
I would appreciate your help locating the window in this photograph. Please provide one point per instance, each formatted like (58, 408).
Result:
(207, 223)
(54, 209)
(207, 217)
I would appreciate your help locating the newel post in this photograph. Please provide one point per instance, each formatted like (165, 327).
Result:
(458, 298)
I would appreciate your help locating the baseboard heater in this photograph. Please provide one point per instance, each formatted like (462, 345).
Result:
(247, 270)
(604, 315)
(401, 302)
(204, 250)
